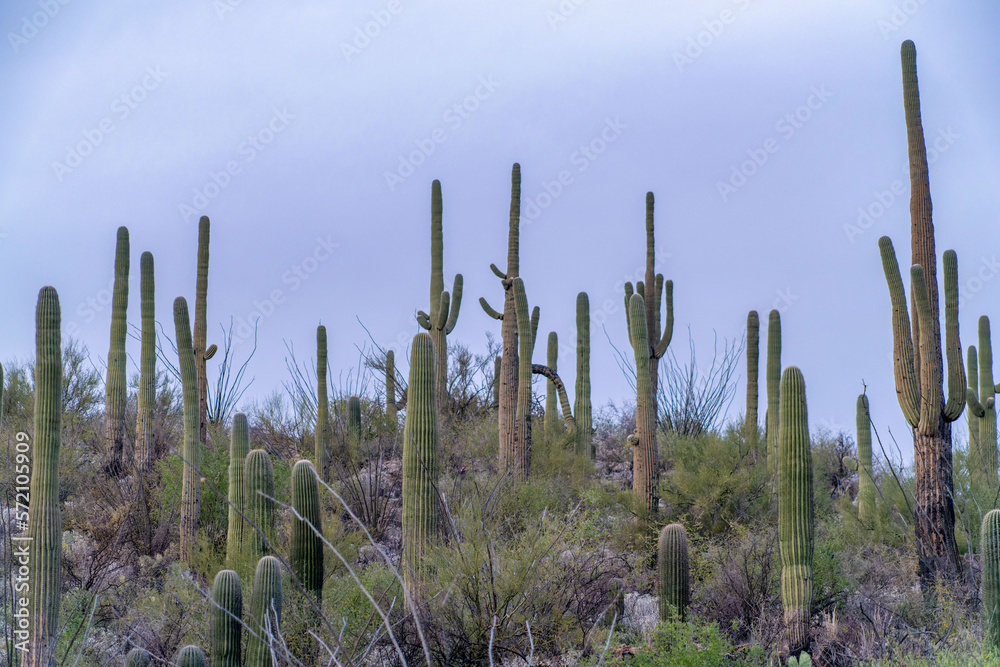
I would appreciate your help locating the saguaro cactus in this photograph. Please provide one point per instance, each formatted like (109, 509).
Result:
(265, 611)
(190, 656)
(420, 461)
(527, 329)
(753, 371)
(982, 409)
(551, 424)
(44, 517)
(307, 532)
(672, 560)
(582, 412)
(239, 447)
(866, 480)
(201, 353)
(145, 440)
(191, 453)
(795, 510)
(116, 387)
(917, 361)
(989, 546)
(391, 409)
(258, 477)
(322, 437)
(227, 620)
(773, 372)
(645, 461)
(138, 657)
(354, 427)
(444, 308)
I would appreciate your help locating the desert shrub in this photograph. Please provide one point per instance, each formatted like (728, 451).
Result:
(693, 643)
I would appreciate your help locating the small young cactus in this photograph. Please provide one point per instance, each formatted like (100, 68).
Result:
(989, 547)
(226, 629)
(307, 542)
(322, 439)
(258, 477)
(138, 657)
(802, 661)
(672, 559)
(116, 389)
(239, 447)
(190, 656)
(265, 612)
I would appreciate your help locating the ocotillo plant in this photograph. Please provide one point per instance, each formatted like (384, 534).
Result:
(982, 409)
(201, 353)
(866, 481)
(443, 312)
(551, 424)
(753, 372)
(226, 629)
(674, 572)
(420, 461)
(239, 447)
(582, 412)
(773, 372)
(989, 547)
(258, 480)
(307, 532)
(526, 336)
(917, 362)
(265, 611)
(190, 656)
(116, 387)
(654, 282)
(138, 657)
(354, 427)
(645, 461)
(509, 363)
(191, 452)
(322, 438)
(44, 517)
(145, 440)
(795, 510)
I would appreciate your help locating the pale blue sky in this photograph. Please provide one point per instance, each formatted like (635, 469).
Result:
(309, 115)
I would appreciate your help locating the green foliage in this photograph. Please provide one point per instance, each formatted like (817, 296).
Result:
(692, 643)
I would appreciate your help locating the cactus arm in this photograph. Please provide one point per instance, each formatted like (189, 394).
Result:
(456, 304)
(534, 327)
(907, 392)
(974, 406)
(628, 316)
(424, 320)
(210, 352)
(953, 346)
(489, 309)
(930, 391)
(850, 463)
(444, 305)
(668, 328)
(640, 289)
(500, 274)
(539, 369)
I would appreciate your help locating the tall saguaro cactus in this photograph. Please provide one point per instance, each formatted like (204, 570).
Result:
(44, 517)
(116, 387)
(420, 460)
(201, 353)
(227, 620)
(322, 438)
(917, 361)
(551, 424)
(645, 461)
(982, 409)
(582, 411)
(258, 476)
(145, 439)
(773, 372)
(674, 571)
(443, 315)
(265, 612)
(520, 464)
(795, 510)
(989, 546)
(191, 452)
(239, 447)
(753, 372)
(509, 362)
(307, 532)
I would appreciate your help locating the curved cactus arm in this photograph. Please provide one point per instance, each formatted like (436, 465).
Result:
(424, 320)
(499, 274)
(443, 307)
(956, 370)
(850, 463)
(456, 304)
(907, 391)
(668, 327)
(640, 289)
(535, 313)
(972, 374)
(930, 386)
(539, 369)
(974, 406)
(210, 352)
(489, 309)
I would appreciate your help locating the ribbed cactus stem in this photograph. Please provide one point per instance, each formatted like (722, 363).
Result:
(521, 462)
(982, 409)
(307, 531)
(989, 546)
(145, 439)
(354, 427)
(44, 516)
(226, 622)
(391, 410)
(773, 379)
(190, 656)
(497, 363)
(645, 461)
(191, 452)
(200, 339)
(322, 437)
(975, 408)
(795, 510)
(672, 560)
(138, 657)
(657, 287)
(420, 461)
(265, 612)
(551, 424)
(753, 372)
(116, 387)
(582, 410)
(239, 447)
(866, 480)
(258, 476)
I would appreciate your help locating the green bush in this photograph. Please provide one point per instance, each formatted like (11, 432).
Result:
(692, 643)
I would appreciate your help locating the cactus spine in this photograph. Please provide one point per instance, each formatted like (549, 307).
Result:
(753, 372)
(354, 427)
(322, 406)
(672, 560)
(982, 409)
(265, 610)
(191, 453)
(420, 461)
(551, 425)
(866, 481)
(145, 451)
(226, 620)
(116, 389)
(44, 517)
(444, 308)
(645, 464)
(138, 657)
(526, 335)
(582, 412)
(307, 532)
(258, 477)
(190, 656)
(795, 510)
(773, 387)
(239, 447)
(989, 542)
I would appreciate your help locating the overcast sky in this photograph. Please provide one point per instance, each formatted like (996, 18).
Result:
(310, 133)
